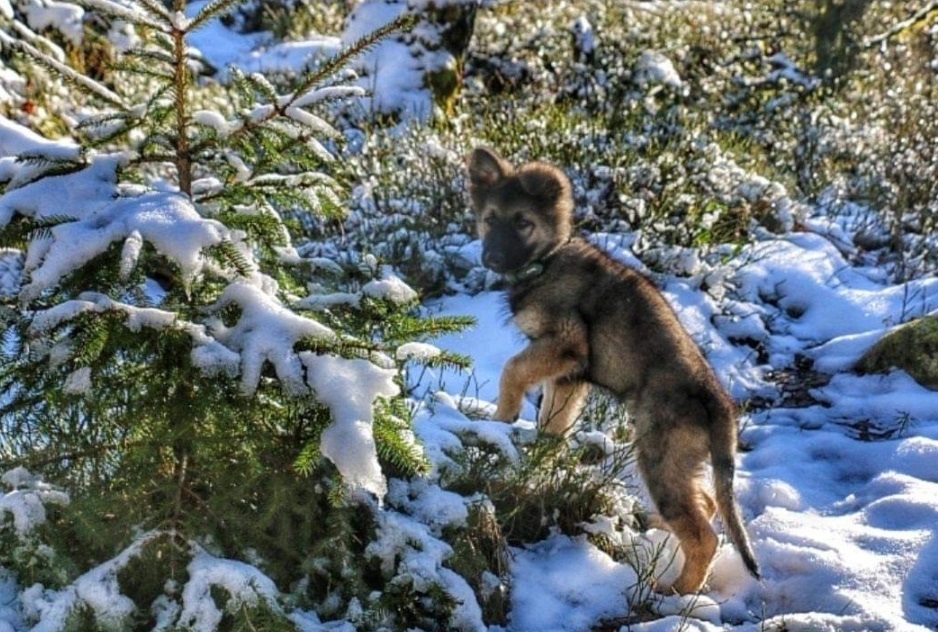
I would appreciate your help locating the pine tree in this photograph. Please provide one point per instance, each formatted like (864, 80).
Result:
(169, 356)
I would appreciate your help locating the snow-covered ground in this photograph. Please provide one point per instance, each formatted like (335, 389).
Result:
(840, 496)
(845, 524)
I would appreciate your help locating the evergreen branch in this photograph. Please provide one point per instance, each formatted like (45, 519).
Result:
(164, 41)
(345, 347)
(261, 227)
(230, 254)
(280, 106)
(212, 9)
(69, 75)
(103, 129)
(101, 119)
(153, 159)
(38, 460)
(91, 337)
(308, 458)
(155, 98)
(394, 448)
(404, 22)
(241, 84)
(156, 9)
(114, 10)
(445, 360)
(260, 83)
(22, 230)
(54, 49)
(150, 54)
(139, 68)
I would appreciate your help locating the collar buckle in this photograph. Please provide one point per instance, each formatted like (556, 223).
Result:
(530, 271)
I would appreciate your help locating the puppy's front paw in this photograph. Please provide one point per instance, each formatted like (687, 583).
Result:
(506, 414)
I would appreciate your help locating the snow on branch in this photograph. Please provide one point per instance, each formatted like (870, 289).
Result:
(25, 500)
(245, 585)
(18, 140)
(125, 13)
(208, 354)
(167, 220)
(26, 155)
(350, 388)
(266, 331)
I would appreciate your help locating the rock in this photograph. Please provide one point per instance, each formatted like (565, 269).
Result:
(912, 348)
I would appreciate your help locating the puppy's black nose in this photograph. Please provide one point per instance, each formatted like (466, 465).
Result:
(493, 260)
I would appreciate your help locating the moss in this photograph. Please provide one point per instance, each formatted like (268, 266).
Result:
(912, 348)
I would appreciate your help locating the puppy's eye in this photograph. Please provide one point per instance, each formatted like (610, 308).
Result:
(523, 224)
(488, 220)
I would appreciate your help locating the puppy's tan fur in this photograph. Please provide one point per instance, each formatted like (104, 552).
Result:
(592, 321)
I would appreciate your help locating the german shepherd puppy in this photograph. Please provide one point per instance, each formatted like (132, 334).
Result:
(591, 320)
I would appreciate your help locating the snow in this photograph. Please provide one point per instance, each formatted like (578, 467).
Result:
(408, 542)
(840, 496)
(389, 71)
(11, 272)
(255, 52)
(824, 297)
(130, 254)
(566, 584)
(85, 191)
(584, 35)
(843, 520)
(16, 139)
(265, 332)
(214, 120)
(417, 350)
(220, 46)
(653, 67)
(389, 287)
(100, 217)
(78, 381)
(25, 500)
(350, 387)
(246, 585)
(431, 505)
(66, 17)
(288, 57)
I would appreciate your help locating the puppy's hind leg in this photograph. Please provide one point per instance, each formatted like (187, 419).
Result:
(672, 467)
(698, 542)
(562, 402)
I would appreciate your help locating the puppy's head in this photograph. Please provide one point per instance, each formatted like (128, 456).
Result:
(522, 214)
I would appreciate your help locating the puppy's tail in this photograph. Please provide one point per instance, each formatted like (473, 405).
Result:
(722, 453)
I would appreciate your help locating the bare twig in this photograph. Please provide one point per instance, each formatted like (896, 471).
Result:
(919, 16)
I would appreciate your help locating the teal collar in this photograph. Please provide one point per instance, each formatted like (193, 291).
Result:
(533, 269)
(528, 272)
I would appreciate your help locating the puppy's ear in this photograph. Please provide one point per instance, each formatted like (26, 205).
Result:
(544, 182)
(486, 167)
